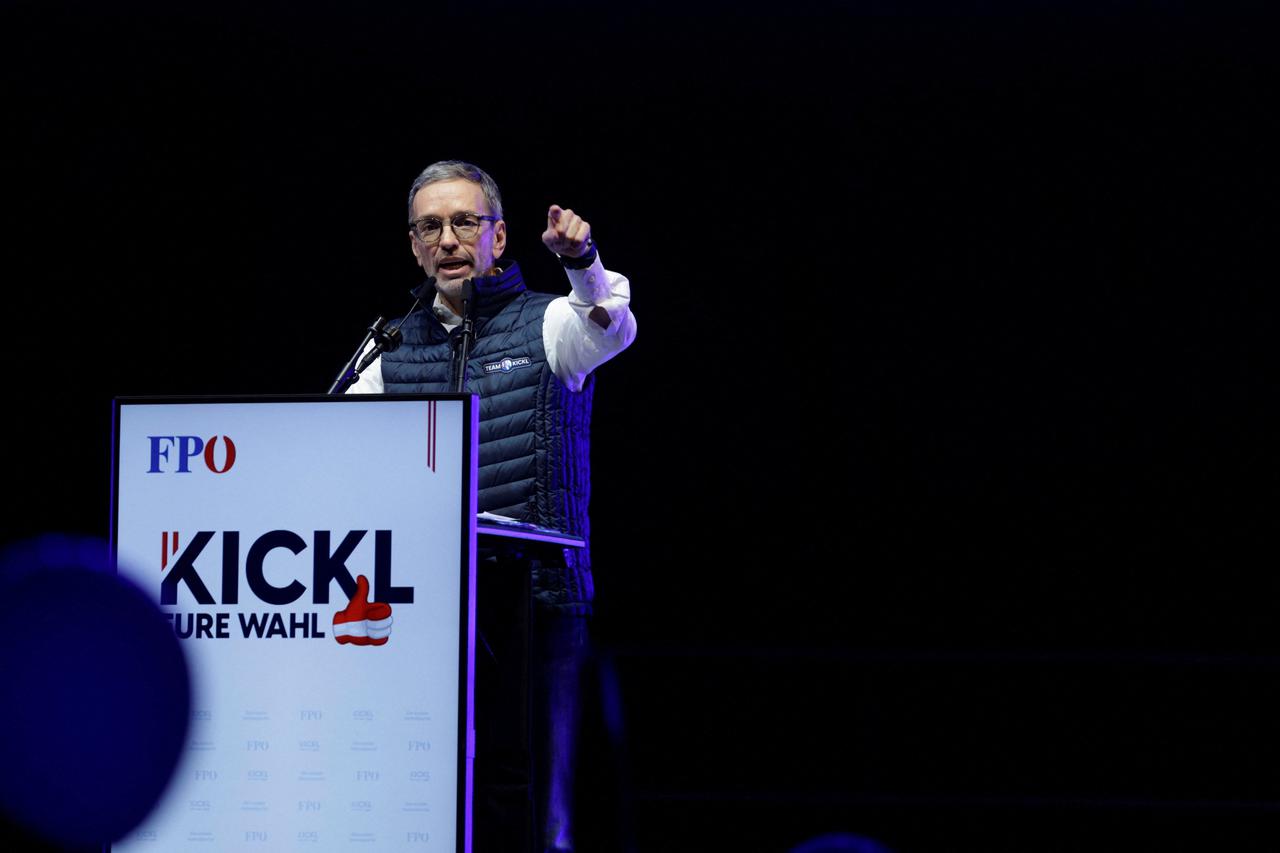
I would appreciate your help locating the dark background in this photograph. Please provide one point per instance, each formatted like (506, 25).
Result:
(931, 502)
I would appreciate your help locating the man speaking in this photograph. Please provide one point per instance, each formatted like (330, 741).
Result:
(531, 365)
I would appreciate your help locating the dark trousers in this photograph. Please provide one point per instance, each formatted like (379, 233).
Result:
(528, 685)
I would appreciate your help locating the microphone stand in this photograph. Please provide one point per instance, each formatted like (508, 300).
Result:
(388, 341)
(349, 374)
(466, 335)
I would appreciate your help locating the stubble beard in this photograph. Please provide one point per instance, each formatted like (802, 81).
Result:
(451, 288)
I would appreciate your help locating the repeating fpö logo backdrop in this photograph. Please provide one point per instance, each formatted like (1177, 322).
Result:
(379, 778)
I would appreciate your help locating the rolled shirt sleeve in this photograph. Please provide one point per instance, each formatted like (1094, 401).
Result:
(590, 326)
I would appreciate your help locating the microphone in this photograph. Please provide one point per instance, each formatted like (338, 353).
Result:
(383, 341)
(388, 341)
(468, 292)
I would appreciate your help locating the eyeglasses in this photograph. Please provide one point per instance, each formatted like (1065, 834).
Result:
(465, 226)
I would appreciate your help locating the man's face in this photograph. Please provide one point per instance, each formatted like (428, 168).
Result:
(452, 260)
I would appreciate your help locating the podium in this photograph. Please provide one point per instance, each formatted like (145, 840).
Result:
(317, 558)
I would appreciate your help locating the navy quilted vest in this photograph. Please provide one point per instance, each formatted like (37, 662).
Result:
(534, 432)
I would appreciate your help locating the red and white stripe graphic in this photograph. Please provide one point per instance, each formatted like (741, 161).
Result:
(431, 435)
(363, 622)
(165, 552)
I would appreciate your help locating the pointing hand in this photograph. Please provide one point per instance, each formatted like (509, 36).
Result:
(567, 234)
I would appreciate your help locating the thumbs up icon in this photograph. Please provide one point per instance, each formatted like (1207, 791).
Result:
(362, 622)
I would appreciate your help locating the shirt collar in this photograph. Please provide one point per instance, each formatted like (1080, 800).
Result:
(444, 313)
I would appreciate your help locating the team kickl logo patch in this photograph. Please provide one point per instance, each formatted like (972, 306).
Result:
(363, 622)
(507, 364)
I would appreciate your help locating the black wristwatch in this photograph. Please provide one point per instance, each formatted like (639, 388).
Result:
(583, 262)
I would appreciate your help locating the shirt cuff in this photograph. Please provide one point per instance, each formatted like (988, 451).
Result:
(590, 285)
(583, 261)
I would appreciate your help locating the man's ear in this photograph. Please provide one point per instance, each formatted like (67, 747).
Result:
(415, 247)
(499, 238)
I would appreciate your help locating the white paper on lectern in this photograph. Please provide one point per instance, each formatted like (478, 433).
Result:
(298, 741)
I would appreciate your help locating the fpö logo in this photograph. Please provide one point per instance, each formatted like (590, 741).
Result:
(173, 453)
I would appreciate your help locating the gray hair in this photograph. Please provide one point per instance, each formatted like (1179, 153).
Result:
(452, 170)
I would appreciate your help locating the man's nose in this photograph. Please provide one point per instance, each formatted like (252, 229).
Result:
(448, 240)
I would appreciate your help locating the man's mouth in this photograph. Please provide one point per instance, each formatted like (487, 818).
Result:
(453, 264)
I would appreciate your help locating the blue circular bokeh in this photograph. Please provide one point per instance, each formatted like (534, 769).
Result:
(95, 691)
